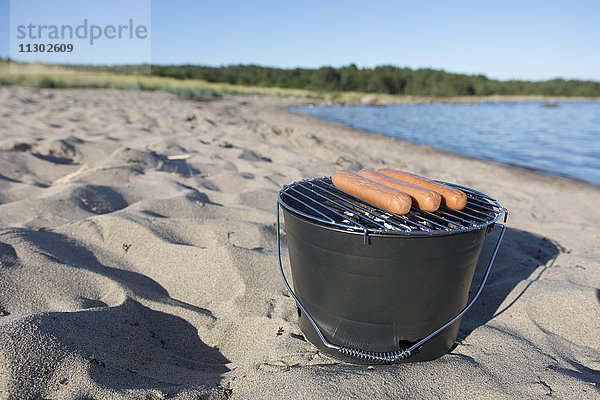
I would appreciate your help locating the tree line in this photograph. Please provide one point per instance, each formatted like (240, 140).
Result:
(382, 79)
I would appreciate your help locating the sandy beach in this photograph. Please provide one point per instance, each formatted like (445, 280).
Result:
(138, 258)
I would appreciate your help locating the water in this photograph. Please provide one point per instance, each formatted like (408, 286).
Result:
(563, 141)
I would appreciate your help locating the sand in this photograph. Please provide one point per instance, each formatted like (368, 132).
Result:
(138, 258)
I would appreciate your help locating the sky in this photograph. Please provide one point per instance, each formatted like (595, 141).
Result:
(528, 40)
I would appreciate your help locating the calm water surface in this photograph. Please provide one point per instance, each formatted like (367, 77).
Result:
(562, 141)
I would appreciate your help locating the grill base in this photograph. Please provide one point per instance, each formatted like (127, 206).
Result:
(383, 295)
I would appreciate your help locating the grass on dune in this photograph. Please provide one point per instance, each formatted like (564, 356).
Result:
(50, 76)
(45, 76)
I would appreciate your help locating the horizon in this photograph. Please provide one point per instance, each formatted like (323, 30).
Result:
(531, 41)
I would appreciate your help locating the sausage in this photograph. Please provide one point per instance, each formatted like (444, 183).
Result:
(425, 199)
(379, 195)
(451, 197)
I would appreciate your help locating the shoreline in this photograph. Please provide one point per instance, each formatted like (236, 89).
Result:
(524, 169)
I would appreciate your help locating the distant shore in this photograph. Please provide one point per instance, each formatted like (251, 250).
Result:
(376, 99)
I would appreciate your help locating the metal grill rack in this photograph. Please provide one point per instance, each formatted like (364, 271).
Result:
(320, 201)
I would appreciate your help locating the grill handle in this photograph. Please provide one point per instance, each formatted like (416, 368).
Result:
(392, 356)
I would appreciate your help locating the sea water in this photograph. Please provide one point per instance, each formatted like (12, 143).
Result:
(562, 140)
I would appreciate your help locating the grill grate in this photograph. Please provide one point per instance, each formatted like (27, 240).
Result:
(320, 201)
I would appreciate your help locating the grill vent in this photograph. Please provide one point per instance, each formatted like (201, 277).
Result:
(320, 201)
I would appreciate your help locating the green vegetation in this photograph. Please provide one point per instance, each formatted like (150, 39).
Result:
(54, 76)
(385, 84)
(383, 79)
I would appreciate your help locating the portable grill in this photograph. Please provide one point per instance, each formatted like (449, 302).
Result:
(372, 286)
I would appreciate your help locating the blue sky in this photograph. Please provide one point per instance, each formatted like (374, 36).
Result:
(503, 40)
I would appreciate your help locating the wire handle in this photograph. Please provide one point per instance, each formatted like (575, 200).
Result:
(386, 357)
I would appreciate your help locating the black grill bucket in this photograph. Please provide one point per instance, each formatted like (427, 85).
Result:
(381, 299)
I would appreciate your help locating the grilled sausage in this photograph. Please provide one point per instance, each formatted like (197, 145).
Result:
(425, 199)
(451, 197)
(381, 196)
